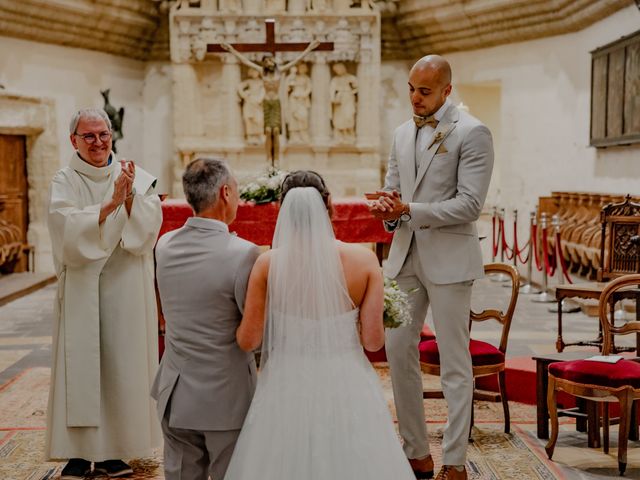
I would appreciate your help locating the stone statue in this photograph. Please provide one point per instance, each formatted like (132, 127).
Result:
(270, 71)
(343, 88)
(251, 91)
(116, 117)
(299, 103)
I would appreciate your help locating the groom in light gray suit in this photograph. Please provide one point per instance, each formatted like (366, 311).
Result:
(437, 180)
(205, 382)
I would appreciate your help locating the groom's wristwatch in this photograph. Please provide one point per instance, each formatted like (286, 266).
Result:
(405, 216)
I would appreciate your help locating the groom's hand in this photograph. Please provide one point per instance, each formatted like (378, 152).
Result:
(385, 205)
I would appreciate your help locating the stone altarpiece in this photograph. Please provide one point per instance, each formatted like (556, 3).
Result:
(208, 111)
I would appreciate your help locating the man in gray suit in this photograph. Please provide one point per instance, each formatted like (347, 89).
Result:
(436, 184)
(205, 382)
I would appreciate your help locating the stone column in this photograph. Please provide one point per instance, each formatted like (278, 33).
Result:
(341, 5)
(296, 6)
(367, 124)
(252, 6)
(187, 115)
(231, 77)
(320, 102)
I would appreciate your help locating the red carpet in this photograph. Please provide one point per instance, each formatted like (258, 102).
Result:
(521, 380)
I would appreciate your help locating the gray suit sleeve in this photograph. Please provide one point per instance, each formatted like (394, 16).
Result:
(474, 174)
(392, 182)
(242, 275)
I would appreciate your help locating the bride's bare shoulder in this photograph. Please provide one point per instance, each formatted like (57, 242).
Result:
(263, 261)
(356, 253)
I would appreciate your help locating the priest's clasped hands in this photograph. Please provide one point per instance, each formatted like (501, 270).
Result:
(122, 191)
(123, 187)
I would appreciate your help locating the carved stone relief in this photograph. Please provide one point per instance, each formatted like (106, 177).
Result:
(327, 116)
(298, 105)
(344, 90)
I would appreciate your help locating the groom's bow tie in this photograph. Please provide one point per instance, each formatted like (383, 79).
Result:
(422, 121)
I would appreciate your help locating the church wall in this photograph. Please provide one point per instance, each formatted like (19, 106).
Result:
(157, 118)
(73, 78)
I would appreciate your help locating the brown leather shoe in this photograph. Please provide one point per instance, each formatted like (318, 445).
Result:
(422, 467)
(448, 472)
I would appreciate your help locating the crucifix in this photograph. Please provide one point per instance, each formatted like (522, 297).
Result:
(271, 74)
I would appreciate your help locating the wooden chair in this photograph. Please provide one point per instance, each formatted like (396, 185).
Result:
(486, 358)
(601, 382)
(620, 222)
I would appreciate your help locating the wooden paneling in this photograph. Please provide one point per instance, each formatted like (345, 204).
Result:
(599, 97)
(615, 92)
(632, 90)
(13, 186)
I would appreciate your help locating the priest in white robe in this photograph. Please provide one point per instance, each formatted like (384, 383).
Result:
(104, 218)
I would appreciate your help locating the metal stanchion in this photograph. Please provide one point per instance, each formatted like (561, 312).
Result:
(494, 248)
(514, 252)
(544, 296)
(568, 305)
(501, 277)
(528, 288)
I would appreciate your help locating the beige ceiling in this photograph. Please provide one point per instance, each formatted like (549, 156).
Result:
(417, 27)
(410, 28)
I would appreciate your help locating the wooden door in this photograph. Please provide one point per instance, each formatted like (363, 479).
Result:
(14, 206)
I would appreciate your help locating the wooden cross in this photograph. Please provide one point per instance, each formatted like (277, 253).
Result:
(270, 45)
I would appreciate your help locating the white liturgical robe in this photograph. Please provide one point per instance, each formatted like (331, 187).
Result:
(105, 343)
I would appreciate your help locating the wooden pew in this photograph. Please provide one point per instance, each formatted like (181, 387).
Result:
(580, 227)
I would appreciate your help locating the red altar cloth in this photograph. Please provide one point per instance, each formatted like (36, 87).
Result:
(351, 220)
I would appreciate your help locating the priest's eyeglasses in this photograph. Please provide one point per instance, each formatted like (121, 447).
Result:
(91, 138)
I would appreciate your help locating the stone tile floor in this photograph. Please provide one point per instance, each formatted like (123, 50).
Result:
(25, 342)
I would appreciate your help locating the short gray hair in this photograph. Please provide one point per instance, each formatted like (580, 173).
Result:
(202, 180)
(93, 113)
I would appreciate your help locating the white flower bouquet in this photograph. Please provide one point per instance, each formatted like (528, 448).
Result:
(265, 188)
(397, 311)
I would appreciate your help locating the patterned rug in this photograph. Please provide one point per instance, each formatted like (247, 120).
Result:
(492, 455)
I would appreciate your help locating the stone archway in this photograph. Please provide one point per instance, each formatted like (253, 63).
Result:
(34, 117)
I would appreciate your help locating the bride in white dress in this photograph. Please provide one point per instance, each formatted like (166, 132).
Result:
(318, 412)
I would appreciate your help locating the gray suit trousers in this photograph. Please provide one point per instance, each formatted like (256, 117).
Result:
(194, 454)
(450, 305)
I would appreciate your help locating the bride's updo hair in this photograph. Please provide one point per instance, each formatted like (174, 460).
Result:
(305, 178)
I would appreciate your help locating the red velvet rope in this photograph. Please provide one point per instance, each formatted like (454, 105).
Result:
(534, 236)
(515, 244)
(520, 251)
(563, 266)
(550, 263)
(499, 242)
(505, 247)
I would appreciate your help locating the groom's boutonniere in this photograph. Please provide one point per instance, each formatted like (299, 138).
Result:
(437, 138)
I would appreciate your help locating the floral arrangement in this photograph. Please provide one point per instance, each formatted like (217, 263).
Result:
(396, 305)
(265, 188)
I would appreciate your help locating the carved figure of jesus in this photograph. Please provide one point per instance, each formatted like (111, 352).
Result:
(271, 73)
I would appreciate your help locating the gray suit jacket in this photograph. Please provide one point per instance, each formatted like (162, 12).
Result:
(202, 273)
(446, 196)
